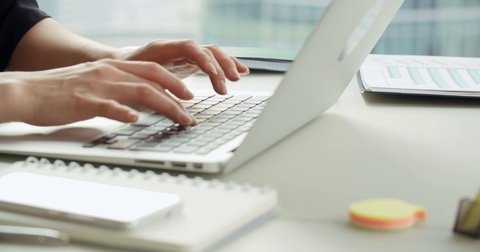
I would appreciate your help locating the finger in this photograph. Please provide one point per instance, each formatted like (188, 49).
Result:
(145, 95)
(164, 52)
(140, 92)
(94, 106)
(164, 104)
(230, 65)
(155, 73)
(217, 80)
(79, 108)
(242, 69)
(108, 71)
(187, 50)
(182, 69)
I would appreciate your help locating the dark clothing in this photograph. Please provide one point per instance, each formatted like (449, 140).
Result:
(16, 18)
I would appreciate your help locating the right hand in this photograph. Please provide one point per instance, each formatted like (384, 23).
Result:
(102, 88)
(186, 57)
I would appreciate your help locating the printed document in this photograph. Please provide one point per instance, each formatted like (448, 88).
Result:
(413, 74)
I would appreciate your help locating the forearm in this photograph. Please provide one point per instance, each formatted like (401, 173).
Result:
(48, 45)
(8, 97)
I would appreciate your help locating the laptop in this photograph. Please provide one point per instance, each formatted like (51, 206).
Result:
(234, 128)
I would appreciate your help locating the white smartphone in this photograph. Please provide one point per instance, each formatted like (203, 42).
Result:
(82, 201)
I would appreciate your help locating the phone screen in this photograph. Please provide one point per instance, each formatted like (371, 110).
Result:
(83, 201)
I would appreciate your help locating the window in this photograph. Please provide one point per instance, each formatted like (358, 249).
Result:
(429, 27)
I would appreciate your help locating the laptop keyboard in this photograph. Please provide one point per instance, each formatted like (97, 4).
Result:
(220, 119)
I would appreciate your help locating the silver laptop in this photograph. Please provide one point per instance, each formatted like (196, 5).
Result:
(234, 128)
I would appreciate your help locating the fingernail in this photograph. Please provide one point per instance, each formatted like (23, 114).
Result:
(234, 72)
(186, 119)
(212, 68)
(194, 120)
(187, 93)
(246, 72)
(133, 116)
(222, 86)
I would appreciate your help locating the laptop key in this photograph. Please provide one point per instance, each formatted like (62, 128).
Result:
(220, 97)
(227, 127)
(240, 97)
(185, 149)
(89, 145)
(123, 144)
(139, 136)
(110, 141)
(147, 144)
(219, 131)
(100, 140)
(163, 148)
(149, 120)
(163, 124)
(125, 132)
(195, 110)
(197, 143)
(171, 143)
(209, 112)
(128, 130)
(204, 151)
(149, 131)
(156, 149)
(260, 98)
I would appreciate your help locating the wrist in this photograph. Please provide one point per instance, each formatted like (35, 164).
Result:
(123, 53)
(94, 52)
(8, 98)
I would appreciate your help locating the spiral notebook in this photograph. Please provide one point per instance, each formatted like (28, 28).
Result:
(213, 211)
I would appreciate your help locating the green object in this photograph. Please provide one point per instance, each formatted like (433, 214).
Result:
(468, 217)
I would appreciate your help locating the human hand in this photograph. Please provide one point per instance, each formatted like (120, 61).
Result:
(83, 91)
(185, 57)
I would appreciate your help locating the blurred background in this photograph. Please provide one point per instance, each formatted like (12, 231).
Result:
(422, 27)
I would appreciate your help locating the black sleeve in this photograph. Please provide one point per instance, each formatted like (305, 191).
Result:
(16, 18)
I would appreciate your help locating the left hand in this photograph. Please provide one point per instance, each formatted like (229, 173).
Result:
(185, 57)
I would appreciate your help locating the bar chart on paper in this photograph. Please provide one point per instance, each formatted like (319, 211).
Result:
(459, 76)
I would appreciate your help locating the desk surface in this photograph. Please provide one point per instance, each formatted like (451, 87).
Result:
(420, 149)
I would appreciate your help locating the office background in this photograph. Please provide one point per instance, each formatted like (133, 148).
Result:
(422, 27)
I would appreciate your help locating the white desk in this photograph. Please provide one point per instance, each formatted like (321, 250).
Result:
(423, 150)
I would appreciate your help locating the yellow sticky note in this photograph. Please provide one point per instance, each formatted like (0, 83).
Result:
(385, 214)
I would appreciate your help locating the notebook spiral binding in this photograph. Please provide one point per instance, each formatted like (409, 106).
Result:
(214, 211)
(134, 173)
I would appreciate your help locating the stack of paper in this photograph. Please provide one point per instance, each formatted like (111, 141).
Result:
(426, 75)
